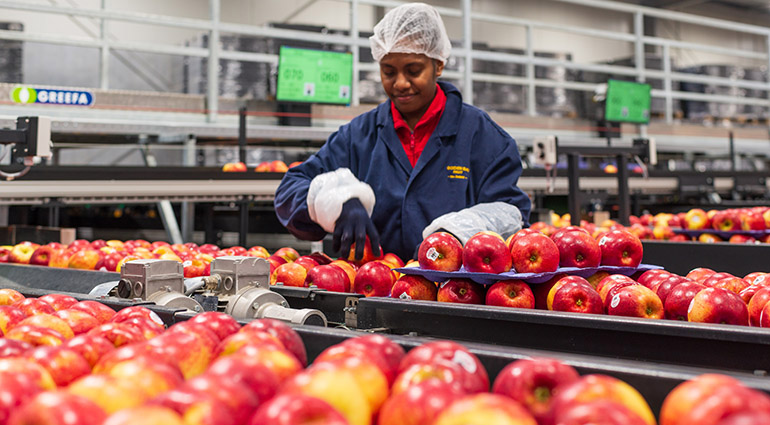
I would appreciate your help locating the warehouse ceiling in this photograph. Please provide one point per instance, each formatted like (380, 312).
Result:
(756, 12)
(746, 5)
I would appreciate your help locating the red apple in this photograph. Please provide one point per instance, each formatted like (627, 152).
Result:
(486, 253)
(418, 404)
(16, 389)
(137, 311)
(338, 387)
(221, 324)
(368, 253)
(91, 347)
(577, 249)
(260, 380)
(709, 238)
(10, 296)
(635, 301)
(716, 277)
(709, 398)
(87, 259)
(58, 408)
(611, 281)
(393, 260)
(289, 274)
(307, 262)
(297, 409)
(33, 306)
(347, 350)
(621, 248)
(288, 337)
(35, 335)
(59, 301)
(742, 239)
(10, 316)
(603, 412)
(696, 219)
(678, 300)
(590, 388)
(510, 293)
(533, 382)
(330, 278)
(13, 348)
(733, 284)
(102, 312)
(746, 418)
(485, 409)
(414, 287)
(63, 364)
(147, 375)
(287, 253)
(41, 256)
(374, 279)
(49, 321)
(22, 252)
(717, 305)
(651, 275)
(664, 287)
(534, 253)
(476, 379)
(522, 232)
(752, 220)
(726, 220)
(79, 321)
(5, 254)
(196, 407)
(119, 334)
(462, 291)
(440, 251)
(391, 352)
(757, 303)
(700, 274)
(577, 297)
(757, 278)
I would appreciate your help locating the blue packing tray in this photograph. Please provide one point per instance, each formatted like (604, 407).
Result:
(722, 234)
(491, 278)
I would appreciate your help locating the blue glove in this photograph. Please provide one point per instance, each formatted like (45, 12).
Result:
(353, 225)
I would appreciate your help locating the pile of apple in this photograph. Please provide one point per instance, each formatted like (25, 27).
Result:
(112, 254)
(64, 362)
(276, 166)
(528, 251)
(702, 296)
(370, 276)
(729, 220)
(661, 226)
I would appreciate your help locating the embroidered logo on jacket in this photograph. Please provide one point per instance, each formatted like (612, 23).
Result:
(458, 172)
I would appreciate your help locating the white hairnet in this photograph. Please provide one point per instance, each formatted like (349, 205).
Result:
(411, 28)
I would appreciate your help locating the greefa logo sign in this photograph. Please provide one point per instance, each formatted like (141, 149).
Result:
(22, 94)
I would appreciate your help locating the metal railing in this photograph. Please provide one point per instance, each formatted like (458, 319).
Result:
(214, 27)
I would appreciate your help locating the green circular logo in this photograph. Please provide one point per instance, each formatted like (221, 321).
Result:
(24, 95)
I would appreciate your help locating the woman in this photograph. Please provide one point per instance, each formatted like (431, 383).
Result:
(419, 162)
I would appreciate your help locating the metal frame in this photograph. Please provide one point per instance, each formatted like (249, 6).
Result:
(214, 27)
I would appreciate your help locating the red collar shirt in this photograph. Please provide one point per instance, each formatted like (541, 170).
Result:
(414, 142)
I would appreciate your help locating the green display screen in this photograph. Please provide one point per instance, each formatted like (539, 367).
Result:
(627, 102)
(314, 76)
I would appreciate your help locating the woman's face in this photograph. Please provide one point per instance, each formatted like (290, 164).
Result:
(409, 79)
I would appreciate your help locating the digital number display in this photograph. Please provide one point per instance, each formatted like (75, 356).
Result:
(627, 102)
(314, 76)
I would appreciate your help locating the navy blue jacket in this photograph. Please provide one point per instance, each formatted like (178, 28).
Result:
(468, 160)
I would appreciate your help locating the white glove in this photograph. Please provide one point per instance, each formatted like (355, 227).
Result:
(499, 217)
(328, 191)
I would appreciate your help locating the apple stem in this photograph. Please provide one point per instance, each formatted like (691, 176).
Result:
(542, 393)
